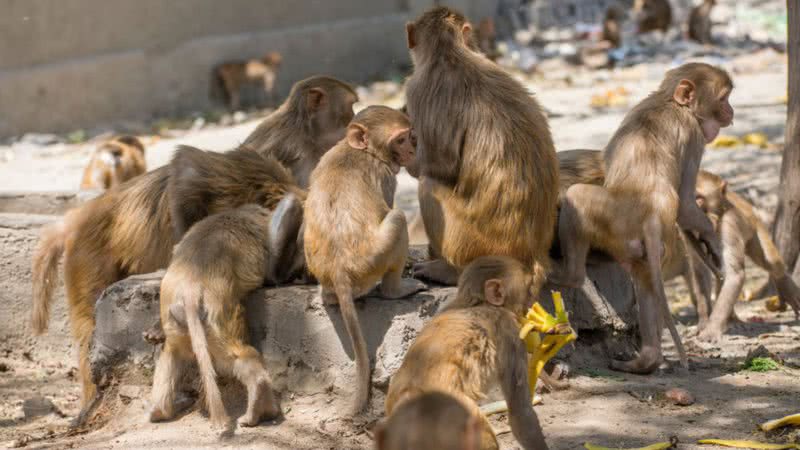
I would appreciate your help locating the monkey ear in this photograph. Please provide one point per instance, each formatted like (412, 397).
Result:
(684, 93)
(410, 37)
(701, 201)
(466, 29)
(357, 136)
(316, 98)
(494, 291)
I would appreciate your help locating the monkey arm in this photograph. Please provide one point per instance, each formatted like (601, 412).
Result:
(514, 383)
(690, 216)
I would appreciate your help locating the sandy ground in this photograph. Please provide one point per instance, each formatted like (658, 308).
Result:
(39, 394)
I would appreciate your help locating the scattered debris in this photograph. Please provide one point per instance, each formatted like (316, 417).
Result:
(679, 397)
(39, 406)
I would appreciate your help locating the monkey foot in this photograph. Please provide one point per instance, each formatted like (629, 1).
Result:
(710, 334)
(404, 288)
(643, 364)
(155, 335)
(182, 402)
(437, 271)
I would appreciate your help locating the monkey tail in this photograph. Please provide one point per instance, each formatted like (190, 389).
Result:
(197, 334)
(350, 317)
(44, 273)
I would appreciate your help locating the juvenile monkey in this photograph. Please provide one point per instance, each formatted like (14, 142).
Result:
(430, 421)
(651, 166)
(311, 121)
(228, 78)
(653, 15)
(742, 234)
(222, 259)
(488, 169)
(700, 22)
(472, 342)
(114, 162)
(353, 235)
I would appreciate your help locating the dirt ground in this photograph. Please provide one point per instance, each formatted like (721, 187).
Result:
(39, 393)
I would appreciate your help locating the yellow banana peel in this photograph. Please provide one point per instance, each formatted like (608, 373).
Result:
(545, 335)
(748, 444)
(656, 446)
(725, 141)
(773, 304)
(758, 139)
(793, 419)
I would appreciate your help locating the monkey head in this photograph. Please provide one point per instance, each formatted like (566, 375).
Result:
(325, 107)
(440, 29)
(430, 421)
(386, 133)
(287, 258)
(704, 89)
(272, 59)
(499, 281)
(710, 193)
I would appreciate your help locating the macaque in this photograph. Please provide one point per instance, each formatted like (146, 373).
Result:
(651, 166)
(487, 164)
(308, 124)
(653, 15)
(354, 237)
(228, 78)
(114, 162)
(430, 421)
(612, 25)
(487, 38)
(579, 166)
(472, 342)
(130, 230)
(742, 234)
(219, 261)
(700, 22)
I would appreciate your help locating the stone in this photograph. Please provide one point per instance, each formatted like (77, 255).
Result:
(679, 396)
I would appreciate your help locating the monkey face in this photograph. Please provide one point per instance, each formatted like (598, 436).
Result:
(403, 145)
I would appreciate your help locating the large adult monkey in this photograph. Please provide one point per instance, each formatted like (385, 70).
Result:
(651, 166)
(311, 121)
(489, 174)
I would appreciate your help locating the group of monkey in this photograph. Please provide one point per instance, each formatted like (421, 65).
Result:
(656, 15)
(312, 189)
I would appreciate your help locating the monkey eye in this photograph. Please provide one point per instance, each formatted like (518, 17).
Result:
(401, 141)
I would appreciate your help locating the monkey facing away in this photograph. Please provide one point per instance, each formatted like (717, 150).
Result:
(309, 123)
(228, 78)
(488, 169)
(219, 261)
(700, 22)
(651, 166)
(114, 162)
(612, 25)
(653, 15)
(354, 238)
(474, 342)
(743, 234)
(430, 421)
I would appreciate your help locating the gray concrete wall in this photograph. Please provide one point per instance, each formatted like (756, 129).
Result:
(83, 63)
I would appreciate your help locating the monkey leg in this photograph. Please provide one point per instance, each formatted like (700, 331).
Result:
(437, 269)
(169, 368)
(764, 253)
(392, 239)
(249, 369)
(733, 262)
(327, 295)
(649, 356)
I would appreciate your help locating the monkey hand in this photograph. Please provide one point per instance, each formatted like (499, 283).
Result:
(714, 247)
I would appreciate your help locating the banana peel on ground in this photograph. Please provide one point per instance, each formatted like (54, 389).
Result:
(748, 444)
(673, 441)
(793, 419)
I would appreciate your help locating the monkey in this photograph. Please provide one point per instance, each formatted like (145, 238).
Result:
(488, 168)
(228, 78)
(700, 22)
(579, 166)
(743, 234)
(311, 121)
(487, 38)
(651, 166)
(612, 25)
(430, 421)
(472, 340)
(354, 237)
(129, 230)
(114, 162)
(220, 260)
(653, 15)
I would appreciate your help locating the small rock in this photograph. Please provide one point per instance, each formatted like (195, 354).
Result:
(239, 117)
(130, 392)
(679, 396)
(40, 138)
(37, 407)
(19, 442)
(4, 367)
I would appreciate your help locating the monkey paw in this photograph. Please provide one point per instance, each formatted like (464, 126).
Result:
(406, 287)
(437, 271)
(155, 335)
(710, 334)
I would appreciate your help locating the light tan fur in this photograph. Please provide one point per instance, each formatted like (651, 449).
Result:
(114, 162)
(228, 78)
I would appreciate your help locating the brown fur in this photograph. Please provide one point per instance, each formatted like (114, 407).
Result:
(473, 341)
(651, 165)
(129, 230)
(311, 121)
(488, 165)
(222, 259)
(743, 234)
(653, 15)
(228, 78)
(114, 163)
(486, 37)
(353, 235)
(612, 25)
(430, 421)
(700, 22)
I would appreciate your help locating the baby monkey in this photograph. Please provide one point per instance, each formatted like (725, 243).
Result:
(473, 341)
(354, 238)
(220, 260)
